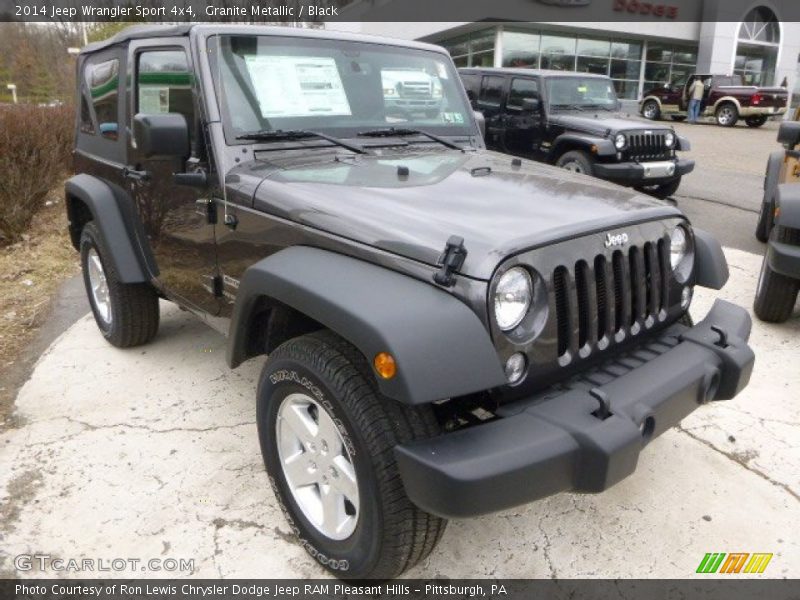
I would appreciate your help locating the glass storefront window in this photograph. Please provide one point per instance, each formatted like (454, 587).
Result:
(628, 90)
(668, 64)
(588, 64)
(558, 45)
(473, 50)
(632, 50)
(625, 69)
(521, 49)
(589, 47)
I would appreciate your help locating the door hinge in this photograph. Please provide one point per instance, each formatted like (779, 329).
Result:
(451, 261)
(216, 286)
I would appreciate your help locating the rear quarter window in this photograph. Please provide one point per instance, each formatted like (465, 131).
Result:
(102, 85)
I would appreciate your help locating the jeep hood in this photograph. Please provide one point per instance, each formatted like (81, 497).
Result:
(498, 208)
(599, 123)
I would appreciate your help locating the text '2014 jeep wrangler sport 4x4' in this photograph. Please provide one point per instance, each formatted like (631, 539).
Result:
(449, 331)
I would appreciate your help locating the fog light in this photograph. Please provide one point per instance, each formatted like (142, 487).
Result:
(515, 367)
(686, 297)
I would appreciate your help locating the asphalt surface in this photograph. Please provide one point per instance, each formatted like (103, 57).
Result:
(152, 452)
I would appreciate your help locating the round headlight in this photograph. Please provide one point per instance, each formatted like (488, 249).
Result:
(669, 139)
(512, 298)
(620, 141)
(679, 245)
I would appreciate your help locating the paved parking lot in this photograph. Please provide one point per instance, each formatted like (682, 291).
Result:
(152, 453)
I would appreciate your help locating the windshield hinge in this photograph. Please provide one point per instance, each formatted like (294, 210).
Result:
(451, 260)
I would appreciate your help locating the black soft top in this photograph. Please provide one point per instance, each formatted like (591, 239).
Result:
(137, 32)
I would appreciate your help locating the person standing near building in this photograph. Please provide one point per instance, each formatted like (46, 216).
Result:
(696, 92)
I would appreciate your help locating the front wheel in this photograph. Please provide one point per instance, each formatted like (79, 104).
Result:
(755, 121)
(576, 161)
(764, 224)
(662, 191)
(775, 295)
(651, 110)
(727, 115)
(328, 437)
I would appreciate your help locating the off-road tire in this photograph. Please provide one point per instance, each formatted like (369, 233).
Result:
(134, 306)
(392, 534)
(721, 111)
(755, 121)
(662, 191)
(576, 157)
(652, 107)
(776, 295)
(764, 224)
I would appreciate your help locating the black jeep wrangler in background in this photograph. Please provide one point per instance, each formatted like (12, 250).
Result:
(449, 331)
(573, 120)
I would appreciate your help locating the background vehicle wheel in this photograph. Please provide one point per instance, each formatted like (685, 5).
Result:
(764, 225)
(662, 191)
(651, 110)
(328, 438)
(126, 313)
(727, 114)
(775, 295)
(576, 161)
(756, 121)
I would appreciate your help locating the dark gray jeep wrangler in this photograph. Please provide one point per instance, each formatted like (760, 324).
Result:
(450, 331)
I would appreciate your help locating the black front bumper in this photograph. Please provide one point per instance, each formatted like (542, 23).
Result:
(565, 443)
(633, 173)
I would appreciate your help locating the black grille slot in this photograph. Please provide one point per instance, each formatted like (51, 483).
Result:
(647, 146)
(602, 297)
(560, 284)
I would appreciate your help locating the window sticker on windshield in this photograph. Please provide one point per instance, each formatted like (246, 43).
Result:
(452, 117)
(441, 70)
(153, 100)
(297, 86)
(583, 89)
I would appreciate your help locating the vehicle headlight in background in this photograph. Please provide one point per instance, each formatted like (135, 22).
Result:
(620, 141)
(512, 298)
(681, 253)
(669, 139)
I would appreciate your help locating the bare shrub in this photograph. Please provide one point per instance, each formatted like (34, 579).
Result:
(35, 146)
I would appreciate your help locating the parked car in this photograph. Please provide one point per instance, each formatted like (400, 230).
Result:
(726, 99)
(572, 120)
(779, 226)
(449, 332)
(407, 91)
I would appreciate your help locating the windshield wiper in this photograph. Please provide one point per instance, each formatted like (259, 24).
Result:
(270, 135)
(402, 132)
(568, 106)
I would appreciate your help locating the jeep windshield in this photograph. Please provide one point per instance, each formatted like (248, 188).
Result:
(580, 93)
(268, 83)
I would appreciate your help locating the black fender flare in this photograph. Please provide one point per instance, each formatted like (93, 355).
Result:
(787, 201)
(441, 348)
(604, 146)
(103, 203)
(772, 175)
(711, 266)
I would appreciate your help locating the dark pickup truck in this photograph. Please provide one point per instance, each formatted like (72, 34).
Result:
(726, 99)
(573, 120)
(449, 331)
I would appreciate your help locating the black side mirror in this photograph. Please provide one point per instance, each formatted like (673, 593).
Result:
(162, 135)
(481, 121)
(789, 134)
(531, 105)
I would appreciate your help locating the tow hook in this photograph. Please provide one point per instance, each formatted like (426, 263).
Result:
(604, 410)
(723, 336)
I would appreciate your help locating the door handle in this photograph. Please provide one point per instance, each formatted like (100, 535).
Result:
(133, 174)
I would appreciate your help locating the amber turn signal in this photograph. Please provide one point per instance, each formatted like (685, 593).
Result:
(385, 365)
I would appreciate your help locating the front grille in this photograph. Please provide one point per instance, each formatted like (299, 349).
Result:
(646, 146)
(415, 89)
(596, 300)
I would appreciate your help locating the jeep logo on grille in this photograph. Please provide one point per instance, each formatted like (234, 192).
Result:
(616, 240)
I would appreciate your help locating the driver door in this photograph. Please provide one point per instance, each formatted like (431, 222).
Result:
(522, 125)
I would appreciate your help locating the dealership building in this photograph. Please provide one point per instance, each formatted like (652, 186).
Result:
(662, 43)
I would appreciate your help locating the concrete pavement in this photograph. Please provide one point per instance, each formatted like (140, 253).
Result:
(152, 453)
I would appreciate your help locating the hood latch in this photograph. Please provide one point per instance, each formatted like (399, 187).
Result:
(451, 260)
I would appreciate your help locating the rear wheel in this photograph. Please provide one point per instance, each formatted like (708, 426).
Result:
(576, 161)
(651, 110)
(776, 295)
(328, 439)
(126, 313)
(727, 114)
(755, 121)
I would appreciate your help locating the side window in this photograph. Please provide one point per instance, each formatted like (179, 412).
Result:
(522, 89)
(102, 82)
(472, 84)
(492, 90)
(164, 84)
